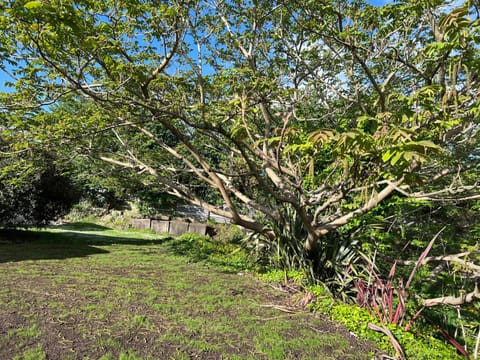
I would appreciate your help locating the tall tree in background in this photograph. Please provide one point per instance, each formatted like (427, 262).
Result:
(290, 118)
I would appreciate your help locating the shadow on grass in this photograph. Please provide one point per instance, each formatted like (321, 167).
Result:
(20, 245)
(81, 226)
(75, 240)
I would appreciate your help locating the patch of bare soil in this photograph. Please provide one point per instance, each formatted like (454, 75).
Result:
(99, 308)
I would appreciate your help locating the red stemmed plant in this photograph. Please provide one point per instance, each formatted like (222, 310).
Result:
(387, 299)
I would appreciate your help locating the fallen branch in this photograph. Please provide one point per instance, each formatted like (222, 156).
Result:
(286, 309)
(455, 258)
(318, 331)
(454, 300)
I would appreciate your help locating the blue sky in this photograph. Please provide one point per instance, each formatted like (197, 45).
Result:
(379, 2)
(5, 78)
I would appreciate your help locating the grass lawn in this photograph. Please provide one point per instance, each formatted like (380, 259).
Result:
(88, 292)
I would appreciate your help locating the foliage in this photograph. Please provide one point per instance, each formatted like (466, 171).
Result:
(152, 202)
(417, 344)
(227, 233)
(108, 188)
(387, 300)
(316, 111)
(84, 209)
(200, 248)
(401, 229)
(43, 196)
(297, 277)
(304, 122)
(282, 252)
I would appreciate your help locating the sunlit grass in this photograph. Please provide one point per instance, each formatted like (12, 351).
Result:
(133, 295)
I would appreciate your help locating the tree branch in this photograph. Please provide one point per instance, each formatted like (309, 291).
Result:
(163, 65)
(372, 202)
(185, 194)
(456, 258)
(454, 300)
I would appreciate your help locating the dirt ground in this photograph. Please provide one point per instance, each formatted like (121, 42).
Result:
(64, 296)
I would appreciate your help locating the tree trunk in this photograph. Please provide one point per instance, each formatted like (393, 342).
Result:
(312, 250)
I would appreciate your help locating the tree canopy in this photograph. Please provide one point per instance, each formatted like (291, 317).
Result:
(287, 117)
(312, 123)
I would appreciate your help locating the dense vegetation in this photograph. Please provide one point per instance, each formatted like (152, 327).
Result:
(35, 192)
(344, 136)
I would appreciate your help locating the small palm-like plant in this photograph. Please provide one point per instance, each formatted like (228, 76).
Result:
(387, 298)
(287, 252)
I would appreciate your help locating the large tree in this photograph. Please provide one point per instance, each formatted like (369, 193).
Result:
(290, 118)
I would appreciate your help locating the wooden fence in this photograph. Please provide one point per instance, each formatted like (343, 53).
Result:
(172, 227)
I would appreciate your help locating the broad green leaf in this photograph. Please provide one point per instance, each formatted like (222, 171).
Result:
(386, 156)
(32, 4)
(396, 157)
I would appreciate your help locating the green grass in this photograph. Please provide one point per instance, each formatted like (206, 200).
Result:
(90, 292)
(28, 332)
(35, 353)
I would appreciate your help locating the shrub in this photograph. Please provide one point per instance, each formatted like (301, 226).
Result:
(196, 248)
(417, 344)
(39, 199)
(228, 233)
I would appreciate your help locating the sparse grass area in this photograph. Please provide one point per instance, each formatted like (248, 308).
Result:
(84, 291)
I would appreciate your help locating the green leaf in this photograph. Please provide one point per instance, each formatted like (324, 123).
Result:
(409, 155)
(428, 144)
(387, 155)
(398, 155)
(32, 4)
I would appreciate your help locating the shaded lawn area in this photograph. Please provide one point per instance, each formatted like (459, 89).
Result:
(89, 292)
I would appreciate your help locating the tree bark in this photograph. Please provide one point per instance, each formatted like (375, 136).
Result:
(454, 300)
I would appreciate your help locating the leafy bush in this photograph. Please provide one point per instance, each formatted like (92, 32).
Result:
(198, 248)
(415, 344)
(83, 210)
(286, 251)
(227, 233)
(297, 277)
(42, 197)
(387, 299)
